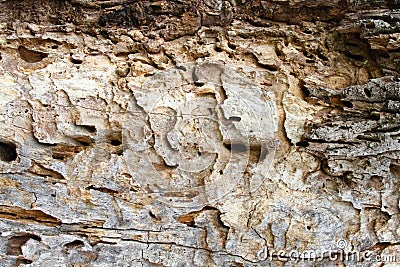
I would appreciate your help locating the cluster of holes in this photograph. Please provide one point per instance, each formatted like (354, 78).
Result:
(24, 261)
(370, 25)
(89, 128)
(279, 53)
(236, 147)
(218, 49)
(61, 152)
(8, 151)
(375, 117)
(148, 74)
(310, 57)
(115, 139)
(235, 118)
(198, 83)
(83, 141)
(180, 67)
(74, 244)
(367, 92)
(116, 142)
(322, 56)
(269, 67)
(58, 157)
(347, 104)
(308, 31)
(15, 243)
(75, 60)
(302, 144)
(31, 56)
(231, 46)
(354, 56)
(305, 91)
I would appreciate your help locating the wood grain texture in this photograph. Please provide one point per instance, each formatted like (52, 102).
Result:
(198, 133)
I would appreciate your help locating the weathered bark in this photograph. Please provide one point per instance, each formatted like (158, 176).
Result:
(198, 133)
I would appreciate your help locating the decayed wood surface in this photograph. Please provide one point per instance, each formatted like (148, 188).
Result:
(198, 133)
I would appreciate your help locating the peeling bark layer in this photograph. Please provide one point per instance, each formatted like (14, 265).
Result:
(198, 133)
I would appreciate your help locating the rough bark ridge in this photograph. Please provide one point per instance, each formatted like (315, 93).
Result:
(198, 133)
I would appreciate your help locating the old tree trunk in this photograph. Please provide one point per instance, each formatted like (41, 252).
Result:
(199, 133)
